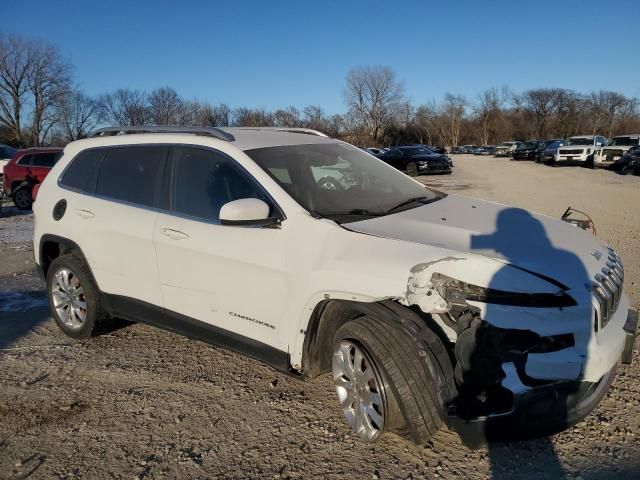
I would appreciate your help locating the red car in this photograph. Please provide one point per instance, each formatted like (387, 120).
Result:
(26, 169)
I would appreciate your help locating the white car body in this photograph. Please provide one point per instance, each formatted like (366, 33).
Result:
(264, 284)
(582, 151)
(618, 146)
(505, 148)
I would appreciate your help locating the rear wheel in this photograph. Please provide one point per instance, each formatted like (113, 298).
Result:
(74, 299)
(22, 198)
(412, 169)
(391, 377)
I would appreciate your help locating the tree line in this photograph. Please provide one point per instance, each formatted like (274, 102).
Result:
(39, 105)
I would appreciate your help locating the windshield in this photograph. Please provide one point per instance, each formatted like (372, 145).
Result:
(580, 141)
(624, 141)
(524, 145)
(338, 181)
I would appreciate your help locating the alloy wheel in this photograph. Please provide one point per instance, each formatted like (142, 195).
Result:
(69, 299)
(360, 391)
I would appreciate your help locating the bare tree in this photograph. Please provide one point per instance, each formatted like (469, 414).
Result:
(15, 63)
(49, 79)
(451, 115)
(252, 117)
(543, 104)
(33, 76)
(77, 115)
(314, 117)
(605, 108)
(125, 108)
(373, 95)
(165, 106)
(288, 117)
(488, 110)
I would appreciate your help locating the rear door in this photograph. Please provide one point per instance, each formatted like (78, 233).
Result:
(116, 218)
(233, 278)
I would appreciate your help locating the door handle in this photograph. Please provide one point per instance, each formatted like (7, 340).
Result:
(173, 234)
(85, 213)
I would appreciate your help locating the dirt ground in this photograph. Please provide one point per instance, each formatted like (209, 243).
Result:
(144, 403)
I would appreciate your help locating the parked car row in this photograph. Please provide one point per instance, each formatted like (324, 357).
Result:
(619, 154)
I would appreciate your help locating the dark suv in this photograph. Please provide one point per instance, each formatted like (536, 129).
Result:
(26, 169)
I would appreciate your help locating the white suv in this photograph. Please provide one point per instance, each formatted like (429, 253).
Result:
(579, 150)
(426, 308)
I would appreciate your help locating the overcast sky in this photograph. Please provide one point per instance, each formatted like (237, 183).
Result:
(279, 53)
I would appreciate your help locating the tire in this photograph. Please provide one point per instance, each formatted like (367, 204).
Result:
(414, 372)
(329, 183)
(22, 198)
(412, 169)
(95, 320)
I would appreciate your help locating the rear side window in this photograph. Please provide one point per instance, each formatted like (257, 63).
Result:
(26, 160)
(204, 181)
(131, 174)
(45, 159)
(82, 168)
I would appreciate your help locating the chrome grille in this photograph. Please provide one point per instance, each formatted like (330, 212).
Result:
(575, 151)
(606, 288)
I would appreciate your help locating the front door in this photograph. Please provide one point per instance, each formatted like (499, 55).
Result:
(233, 278)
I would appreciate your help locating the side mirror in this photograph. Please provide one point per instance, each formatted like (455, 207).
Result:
(247, 212)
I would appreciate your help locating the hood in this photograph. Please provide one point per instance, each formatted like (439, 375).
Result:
(575, 147)
(537, 243)
(623, 148)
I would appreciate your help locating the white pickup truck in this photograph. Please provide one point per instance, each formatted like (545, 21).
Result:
(579, 150)
(615, 149)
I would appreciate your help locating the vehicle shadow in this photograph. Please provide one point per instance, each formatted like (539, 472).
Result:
(8, 210)
(20, 313)
(496, 354)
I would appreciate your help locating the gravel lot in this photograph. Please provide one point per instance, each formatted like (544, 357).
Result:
(144, 403)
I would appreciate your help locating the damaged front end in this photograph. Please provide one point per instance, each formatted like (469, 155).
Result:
(511, 373)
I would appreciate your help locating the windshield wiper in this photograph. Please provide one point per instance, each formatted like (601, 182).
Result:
(355, 211)
(409, 202)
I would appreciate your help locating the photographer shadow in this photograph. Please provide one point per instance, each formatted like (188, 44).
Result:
(522, 242)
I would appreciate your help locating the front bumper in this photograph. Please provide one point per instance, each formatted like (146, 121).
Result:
(571, 159)
(524, 155)
(536, 413)
(605, 160)
(431, 168)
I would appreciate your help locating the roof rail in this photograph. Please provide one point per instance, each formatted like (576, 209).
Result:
(205, 131)
(308, 131)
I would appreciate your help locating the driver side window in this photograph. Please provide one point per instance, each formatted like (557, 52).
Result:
(204, 180)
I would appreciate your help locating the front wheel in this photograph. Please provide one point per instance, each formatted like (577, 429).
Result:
(22, 198)
(389, 378)
(412, 169)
